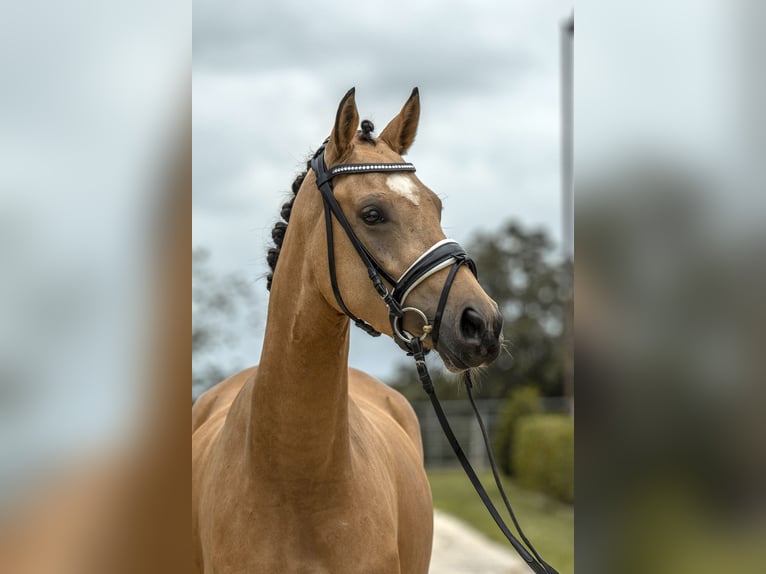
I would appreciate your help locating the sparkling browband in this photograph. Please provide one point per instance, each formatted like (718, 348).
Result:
(370, 167)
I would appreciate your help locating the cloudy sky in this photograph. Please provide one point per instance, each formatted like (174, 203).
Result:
(267, 81)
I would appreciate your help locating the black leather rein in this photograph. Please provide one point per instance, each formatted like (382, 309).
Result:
(445, 253)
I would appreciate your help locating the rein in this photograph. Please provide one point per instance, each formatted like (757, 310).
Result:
(445, 253)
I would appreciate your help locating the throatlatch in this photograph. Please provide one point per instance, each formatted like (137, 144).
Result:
(446, 253)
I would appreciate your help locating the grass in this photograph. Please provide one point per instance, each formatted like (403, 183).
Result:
(548, 524)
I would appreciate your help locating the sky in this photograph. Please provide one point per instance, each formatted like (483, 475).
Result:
(267, 80)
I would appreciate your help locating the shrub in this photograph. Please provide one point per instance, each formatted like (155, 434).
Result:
(520, 402)
(544, 454)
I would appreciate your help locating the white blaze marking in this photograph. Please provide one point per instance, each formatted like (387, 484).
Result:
(404, 186)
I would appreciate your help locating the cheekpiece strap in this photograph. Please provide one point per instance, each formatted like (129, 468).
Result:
(375, 271)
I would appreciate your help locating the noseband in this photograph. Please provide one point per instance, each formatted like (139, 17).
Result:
(443, 254)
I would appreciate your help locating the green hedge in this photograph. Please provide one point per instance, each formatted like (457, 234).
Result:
(544, 454)
(521, 402)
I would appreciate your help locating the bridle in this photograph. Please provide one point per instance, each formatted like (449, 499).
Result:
(443, 254)
(446, 253)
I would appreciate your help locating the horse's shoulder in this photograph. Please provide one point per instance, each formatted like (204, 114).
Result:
(219, 397)
(369, 388)
(366, 388)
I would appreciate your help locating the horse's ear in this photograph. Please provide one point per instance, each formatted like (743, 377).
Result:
(344, 130)
(400, 132)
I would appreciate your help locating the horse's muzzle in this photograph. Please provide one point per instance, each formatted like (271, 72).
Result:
(476, 340)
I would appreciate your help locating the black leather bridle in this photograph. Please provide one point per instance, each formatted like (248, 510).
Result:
(445, 253)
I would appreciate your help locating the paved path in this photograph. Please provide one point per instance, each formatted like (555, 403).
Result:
(460, 549)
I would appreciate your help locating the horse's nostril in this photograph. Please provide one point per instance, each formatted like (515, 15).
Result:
(471, 325)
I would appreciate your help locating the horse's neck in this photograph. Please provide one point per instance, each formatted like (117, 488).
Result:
(298, 407)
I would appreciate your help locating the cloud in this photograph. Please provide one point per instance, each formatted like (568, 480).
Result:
(383, 47)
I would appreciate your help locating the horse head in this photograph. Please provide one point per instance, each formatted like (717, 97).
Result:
(395, 218)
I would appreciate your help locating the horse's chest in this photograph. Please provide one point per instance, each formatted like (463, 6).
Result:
(322, 533)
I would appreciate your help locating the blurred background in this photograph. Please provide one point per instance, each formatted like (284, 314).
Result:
(266, 85)
(95, 194)
(669, 284)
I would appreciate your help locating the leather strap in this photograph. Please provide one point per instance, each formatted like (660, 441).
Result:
(436, 258)
(353, 168)
(443, 254)
(443, 302)
(538, 565)
(374, 270)
(364, 325)
(496, 475)
(324, 179)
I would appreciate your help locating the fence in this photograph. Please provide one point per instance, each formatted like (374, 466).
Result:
(438, 452)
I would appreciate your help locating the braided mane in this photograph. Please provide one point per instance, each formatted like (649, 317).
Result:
(280, 227)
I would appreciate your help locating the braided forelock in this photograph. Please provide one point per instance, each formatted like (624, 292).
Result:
(365, 134)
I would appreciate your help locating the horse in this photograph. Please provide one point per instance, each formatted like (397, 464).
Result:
(302, 464)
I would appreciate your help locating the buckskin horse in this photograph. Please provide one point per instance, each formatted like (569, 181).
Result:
(302, 464)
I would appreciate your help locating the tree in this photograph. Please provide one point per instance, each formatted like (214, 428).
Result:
(219, 302)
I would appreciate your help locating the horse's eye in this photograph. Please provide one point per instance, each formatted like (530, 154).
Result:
(372, 216)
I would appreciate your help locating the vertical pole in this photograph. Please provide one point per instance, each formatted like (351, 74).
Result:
(567, 109)
(567, 198)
